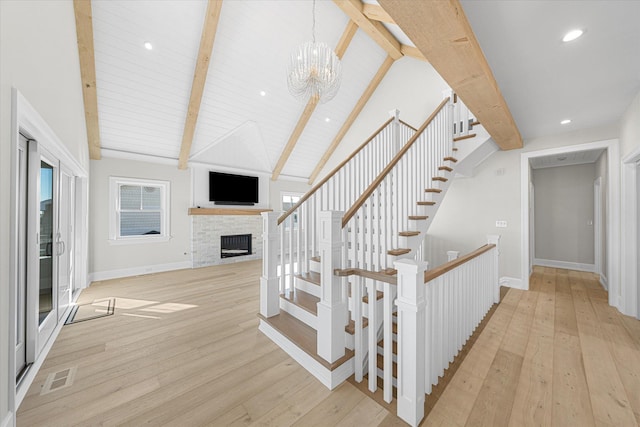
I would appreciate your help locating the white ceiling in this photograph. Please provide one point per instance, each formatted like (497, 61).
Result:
(565, 159)
(591, 80)
(143, 95)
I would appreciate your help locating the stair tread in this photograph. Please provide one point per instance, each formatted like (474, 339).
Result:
(315, 258)
(351, 327)
(418, 217)
(303, 300)
(389, 271)
(426, 203)
(460, 138)
(445, 168)
(365, 299)
(304, 336)
(475, 123)
(398, 251)
(311, 277)
(450, 159)
(409, 233)
(440, 178)
(433, 190)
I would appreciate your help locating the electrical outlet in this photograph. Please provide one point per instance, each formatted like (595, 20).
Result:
(501, 224)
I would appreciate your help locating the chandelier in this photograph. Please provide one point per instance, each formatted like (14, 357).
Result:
(314, 71)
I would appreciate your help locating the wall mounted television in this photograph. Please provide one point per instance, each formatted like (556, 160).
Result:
(229, 189)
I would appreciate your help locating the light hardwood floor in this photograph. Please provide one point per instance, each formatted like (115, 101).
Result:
(183, 349)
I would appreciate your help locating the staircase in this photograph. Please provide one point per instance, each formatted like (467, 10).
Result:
(342, 285)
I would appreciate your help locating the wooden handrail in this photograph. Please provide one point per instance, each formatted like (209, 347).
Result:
(381, 277)
(332, 173)
(376, 182)
(408, 125)
(429, 275)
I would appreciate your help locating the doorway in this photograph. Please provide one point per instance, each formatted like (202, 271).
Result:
(611, 228)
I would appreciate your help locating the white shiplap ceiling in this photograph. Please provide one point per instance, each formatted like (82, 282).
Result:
(143, 95)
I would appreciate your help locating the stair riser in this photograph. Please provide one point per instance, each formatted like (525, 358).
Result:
(308, 287)
(314, 266)
(299, 313)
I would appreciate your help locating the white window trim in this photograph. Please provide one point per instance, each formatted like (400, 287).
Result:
(291, 194)
(165, 223)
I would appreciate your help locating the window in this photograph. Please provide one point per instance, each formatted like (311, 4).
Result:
(139, 210)
(289, 200)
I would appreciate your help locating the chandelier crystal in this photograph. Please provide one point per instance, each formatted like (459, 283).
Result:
(314, 71)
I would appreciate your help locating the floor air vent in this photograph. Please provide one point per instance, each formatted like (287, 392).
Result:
(59, 380)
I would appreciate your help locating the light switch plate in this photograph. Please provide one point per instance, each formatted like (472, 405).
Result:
(501, 224)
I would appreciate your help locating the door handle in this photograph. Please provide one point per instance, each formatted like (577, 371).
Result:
(64, 247)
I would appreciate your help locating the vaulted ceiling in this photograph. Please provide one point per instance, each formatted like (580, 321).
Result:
(246, 119)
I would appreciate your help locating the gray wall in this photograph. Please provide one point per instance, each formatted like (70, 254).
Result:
(564, 211)
(105, 257)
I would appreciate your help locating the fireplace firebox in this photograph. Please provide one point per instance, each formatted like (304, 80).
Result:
(236, 245)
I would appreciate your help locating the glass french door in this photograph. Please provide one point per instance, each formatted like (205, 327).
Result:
(43, 200)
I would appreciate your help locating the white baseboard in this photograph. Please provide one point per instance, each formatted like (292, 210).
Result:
(8, 420)
(511, 282)
(330, 379)
(590, 268)
(604, 282)
(138, 271)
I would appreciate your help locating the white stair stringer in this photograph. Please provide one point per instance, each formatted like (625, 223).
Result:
(473, 151)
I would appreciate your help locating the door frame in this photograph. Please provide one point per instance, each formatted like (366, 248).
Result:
(597, 226)
(630, 234)
(613, 211)
(25, 119)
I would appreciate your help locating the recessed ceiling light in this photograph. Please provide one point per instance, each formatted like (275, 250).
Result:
(327, 120)
(572, 35)
(565, 122)
(148, 45)
(263, 93)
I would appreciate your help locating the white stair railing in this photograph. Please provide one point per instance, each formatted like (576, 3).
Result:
(463, 119)
(372, 225)
(298, 228)
(440, 316)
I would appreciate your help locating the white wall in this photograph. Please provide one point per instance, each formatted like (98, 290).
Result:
(630, 128)
(411, 86)
(107, 259)
(564, 212)
(43, 65)
(472, 205)
(281, 186)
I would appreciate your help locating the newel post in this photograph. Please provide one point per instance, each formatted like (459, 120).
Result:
(332, 309)
(494, 239)
(269, 298)
(411, 339)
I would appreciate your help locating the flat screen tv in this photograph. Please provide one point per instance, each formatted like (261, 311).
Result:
(229, 189)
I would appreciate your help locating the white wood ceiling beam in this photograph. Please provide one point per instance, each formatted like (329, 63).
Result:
(354, 9)
(344, 42)
(209, 30)
(441, 31)
(373, 85)
(84, 32)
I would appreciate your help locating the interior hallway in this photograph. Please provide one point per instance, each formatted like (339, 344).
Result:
(183, 349)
